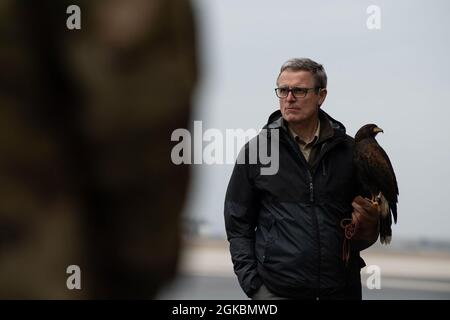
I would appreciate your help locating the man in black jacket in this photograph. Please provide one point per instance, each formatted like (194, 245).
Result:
(284, 228)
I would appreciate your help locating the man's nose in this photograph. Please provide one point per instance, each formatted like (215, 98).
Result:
(290, 97)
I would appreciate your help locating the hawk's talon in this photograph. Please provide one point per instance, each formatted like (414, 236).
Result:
(375, 200)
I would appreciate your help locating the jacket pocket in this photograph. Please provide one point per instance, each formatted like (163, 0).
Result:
(266, 235)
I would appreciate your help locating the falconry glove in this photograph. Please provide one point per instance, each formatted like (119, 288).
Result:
(362, 230)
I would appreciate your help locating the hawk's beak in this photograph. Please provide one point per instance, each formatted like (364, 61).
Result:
(376, 130)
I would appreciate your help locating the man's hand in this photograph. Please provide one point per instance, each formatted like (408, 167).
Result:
(363, 230)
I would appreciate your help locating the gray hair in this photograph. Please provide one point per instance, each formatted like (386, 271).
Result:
(305, 64)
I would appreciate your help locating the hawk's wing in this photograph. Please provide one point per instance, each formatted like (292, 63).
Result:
(376, 166)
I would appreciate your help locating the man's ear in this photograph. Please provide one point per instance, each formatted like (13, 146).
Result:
(322, 95)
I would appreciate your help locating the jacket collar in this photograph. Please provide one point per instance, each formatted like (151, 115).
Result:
(330, 127)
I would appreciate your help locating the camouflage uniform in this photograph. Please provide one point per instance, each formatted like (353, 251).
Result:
(85, 122)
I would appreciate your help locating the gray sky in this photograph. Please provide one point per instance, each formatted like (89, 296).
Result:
(396, 77)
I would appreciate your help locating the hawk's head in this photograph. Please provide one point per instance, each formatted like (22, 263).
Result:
(367, 131)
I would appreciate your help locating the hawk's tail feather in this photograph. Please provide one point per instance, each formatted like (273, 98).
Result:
(385, 229)
(384, 205)
(394, 211)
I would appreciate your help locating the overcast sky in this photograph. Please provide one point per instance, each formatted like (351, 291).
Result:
(397, 77)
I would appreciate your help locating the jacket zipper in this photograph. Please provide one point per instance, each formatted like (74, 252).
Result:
(316, 221)
(311, 187)
(311, 199)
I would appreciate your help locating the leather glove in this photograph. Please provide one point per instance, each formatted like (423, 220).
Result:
(362, 230)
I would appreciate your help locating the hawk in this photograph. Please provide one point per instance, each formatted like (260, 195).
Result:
(376, 177)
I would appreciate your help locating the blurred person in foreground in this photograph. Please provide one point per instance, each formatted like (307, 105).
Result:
(85, 171)
(284, 229)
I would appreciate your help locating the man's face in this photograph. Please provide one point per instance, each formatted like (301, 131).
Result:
(300, 110)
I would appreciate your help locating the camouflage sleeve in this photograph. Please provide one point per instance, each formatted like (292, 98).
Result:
(85, 124)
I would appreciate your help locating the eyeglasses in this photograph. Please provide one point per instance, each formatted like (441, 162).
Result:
(296, 92)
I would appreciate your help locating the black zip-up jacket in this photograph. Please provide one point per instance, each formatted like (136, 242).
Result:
(284, 229)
